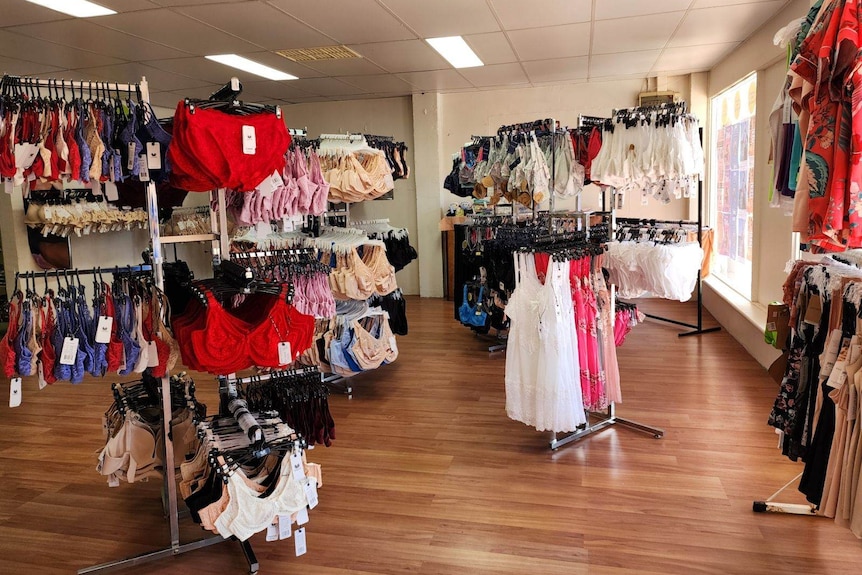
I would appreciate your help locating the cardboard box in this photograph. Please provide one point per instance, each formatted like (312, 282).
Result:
(777, 332)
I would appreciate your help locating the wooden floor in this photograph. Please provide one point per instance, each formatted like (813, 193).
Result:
(428, 476)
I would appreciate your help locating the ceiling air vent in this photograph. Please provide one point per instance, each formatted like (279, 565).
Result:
(321, 53)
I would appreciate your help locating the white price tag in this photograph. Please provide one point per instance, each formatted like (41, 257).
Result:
(152, 354)
(15, 392)
(113, 481)
(393, 345)
(249, 140)
(111, 192)
(70, 351)
(103, 329)
(8, 186)
(133, 156)
(272, 532)
(302, 517)
(284, 528)
(96, 186)
(143, 170)
(271, 183)
(296, 466)
(40, 371)
(311, 492)
(154, 156)
(299, 542)
(284, 355)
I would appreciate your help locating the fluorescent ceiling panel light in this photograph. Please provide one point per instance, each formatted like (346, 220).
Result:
(250, 66)
(456, 51)
(77, 8)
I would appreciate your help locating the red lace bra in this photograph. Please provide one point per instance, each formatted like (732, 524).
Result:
(223, 341)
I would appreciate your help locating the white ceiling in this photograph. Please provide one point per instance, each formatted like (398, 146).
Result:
(522, 42)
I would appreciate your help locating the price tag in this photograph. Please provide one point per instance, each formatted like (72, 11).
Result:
(393, 345)
(152, 354)
(296, 466)
(154, 156)
(311, 492)
(103, 329)
(302, 517)
(272, 532)
(8, 186)
(96, 186)
(143, 170)
(268, 186)
(40, 370)
(284, 355)
(113, 481)
(284, 528)
(70, 351)
(111, 192)
(299, 542)
(133, 157)
(112, 168)
(15, 393)
(249, 140)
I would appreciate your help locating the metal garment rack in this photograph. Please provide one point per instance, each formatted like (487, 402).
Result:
(170, 500)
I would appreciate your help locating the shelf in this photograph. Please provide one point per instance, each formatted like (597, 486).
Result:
(188, 239)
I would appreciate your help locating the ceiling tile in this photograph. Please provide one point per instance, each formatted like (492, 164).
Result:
(81, 33)
(495, 75)
(23, 68)
(445, 17)
(737, 23)
(405, 56)
(353, 22)
(692, 58)
(164, 99)
(553, 42)
(492, 48)
(258, 23)
(514, 14)
(176, 30)
(380, 83)
(159, 80)
(326, 87)
(269, 90)
(713, 3)
(18, 12)
(557, 70)
(49, 53)
(631, 34)
(623, 64)
(345, 67)
(435, 80)
(607, 9)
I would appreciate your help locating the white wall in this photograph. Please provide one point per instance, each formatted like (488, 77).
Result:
(386, 117)
(772, 230)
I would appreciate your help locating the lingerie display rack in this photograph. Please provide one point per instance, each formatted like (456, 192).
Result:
(220, 241)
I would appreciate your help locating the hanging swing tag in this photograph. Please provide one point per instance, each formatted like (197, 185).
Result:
(143, 170)
(111, 193)
(311, 492)
(272, 532)
(284, 527)
(154, 156)
(15, 392)
(103, 329)
(393, 345)
(133, 156)
(301, 518)
(152, 354)
(249, 140)
(299, 542)
(296, 466)
(70, 351)
(40, 371)
(8, 185)
(284, 355)
(113, 481)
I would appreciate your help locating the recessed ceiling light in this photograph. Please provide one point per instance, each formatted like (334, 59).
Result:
(77, 8)
(251, 67)
(456, 51)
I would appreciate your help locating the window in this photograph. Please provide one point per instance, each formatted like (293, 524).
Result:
(731, 187)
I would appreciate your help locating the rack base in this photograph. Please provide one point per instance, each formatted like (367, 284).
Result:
(770, 506)
(172, 551)
(696, 329)
(340, 384)
(604, 422)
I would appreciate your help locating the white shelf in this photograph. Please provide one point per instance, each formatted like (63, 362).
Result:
(188, 239)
